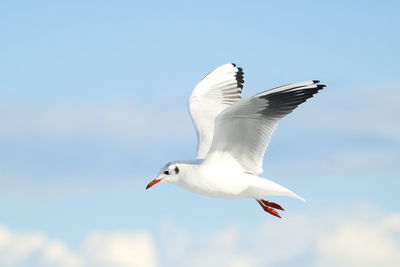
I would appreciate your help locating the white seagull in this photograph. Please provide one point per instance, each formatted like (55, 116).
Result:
(233, 135)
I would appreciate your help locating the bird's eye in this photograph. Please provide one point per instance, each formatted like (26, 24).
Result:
(167, 172)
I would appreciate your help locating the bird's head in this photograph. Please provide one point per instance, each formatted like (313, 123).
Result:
(170, 173)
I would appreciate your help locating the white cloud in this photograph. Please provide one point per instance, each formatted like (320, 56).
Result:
(34, 249)
(357, 243)
(321, 240)
(264, 245)
(121, 249)
(57, 254)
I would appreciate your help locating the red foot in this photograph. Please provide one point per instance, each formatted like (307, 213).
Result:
(268, 209)
(272, 204)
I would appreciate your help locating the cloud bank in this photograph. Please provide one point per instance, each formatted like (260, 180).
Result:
(119, 249)
(368, 239)
(320, 241)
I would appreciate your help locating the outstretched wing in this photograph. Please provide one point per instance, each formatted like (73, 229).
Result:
(219, 89)
(244, 129)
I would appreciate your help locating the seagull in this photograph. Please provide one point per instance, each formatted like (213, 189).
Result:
(233, 135)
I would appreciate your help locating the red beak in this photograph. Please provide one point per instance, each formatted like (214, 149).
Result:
(155, 181)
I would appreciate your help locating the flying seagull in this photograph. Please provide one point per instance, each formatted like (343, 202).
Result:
(233, 135)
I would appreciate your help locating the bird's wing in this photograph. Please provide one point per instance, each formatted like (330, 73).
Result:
(219, 89)
(243, 130)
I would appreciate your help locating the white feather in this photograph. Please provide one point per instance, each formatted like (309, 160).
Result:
(218, 90)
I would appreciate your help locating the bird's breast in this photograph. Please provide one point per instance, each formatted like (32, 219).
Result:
(218, 185)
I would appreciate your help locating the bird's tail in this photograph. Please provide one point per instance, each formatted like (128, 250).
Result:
(273, 189)
(294, 195)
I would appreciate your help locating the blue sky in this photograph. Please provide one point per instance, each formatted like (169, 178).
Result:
(93, 101)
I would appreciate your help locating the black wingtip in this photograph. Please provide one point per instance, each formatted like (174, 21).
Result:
(319, 86)
(233, 64)
(239, 78)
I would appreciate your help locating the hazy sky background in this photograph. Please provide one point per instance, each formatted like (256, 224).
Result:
(93, 101)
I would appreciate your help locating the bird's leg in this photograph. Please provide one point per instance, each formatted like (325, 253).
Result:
(268, 209)
(271, 204)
